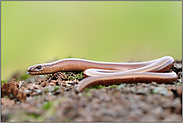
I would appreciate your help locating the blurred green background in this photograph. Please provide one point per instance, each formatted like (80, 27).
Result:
(34, 32)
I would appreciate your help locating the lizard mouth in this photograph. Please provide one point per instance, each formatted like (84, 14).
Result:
(32, 73)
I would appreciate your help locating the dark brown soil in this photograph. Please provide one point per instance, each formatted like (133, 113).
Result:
(54, 98)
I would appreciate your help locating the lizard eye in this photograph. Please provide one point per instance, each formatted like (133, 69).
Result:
(38, 67)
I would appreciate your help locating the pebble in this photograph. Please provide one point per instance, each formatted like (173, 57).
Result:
(35, 93)
(179, 75)
(179, 91)
(36, 87)
(157, 111)
(121, 86)
(39, 91)
(31, 88)
(178, 109)
(63, 84)
(140, 91)
(178, 66)
(52, 84)
(27, 91)
(51, 88)
(175, 102)
(162, 90)
(154, 83)
(43, 84)
(148, 118)
(42, 76)
(172, 118)
(133, 89)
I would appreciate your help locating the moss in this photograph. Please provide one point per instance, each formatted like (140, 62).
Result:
(5, 96)
(113, 86)
(97, 87)
(86, 89)
(56, 88)
(79, 76)
(46, 90)
(51, 107)
(179, 83)
(151, 91)
(22, 116)
(73, 76)
(34, 115)
(86, 94)
(4, 81)
(47, 105)
(94, 87)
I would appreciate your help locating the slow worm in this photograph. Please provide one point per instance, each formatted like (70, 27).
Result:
(102, 73)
